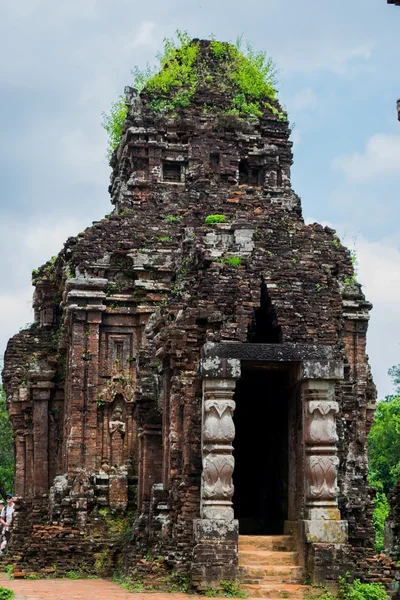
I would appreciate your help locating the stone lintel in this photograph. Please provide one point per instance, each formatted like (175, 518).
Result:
(212, 529)
(84, 283)
(219, 368)
(325, 531)
(286, 352)
(42, 378)
(322, 369)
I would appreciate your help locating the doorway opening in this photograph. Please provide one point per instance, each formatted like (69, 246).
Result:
(261, 449)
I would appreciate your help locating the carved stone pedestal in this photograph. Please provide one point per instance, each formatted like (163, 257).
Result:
(215, 554)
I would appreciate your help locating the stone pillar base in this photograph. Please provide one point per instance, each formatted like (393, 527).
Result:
(325, 563)
(215, 554)
(321, 531)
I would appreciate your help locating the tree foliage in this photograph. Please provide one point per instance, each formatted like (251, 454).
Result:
(384, 445)
(384, 455)
(6, 449)
(394, 373)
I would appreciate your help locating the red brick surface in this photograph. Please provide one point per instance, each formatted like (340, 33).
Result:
(82, 589)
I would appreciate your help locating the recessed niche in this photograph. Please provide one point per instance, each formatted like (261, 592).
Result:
(250, 174)
(172, 171)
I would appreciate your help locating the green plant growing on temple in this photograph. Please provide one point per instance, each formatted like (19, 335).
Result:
(6, 593)
(113, 123)
(248, 75)
(231, 261)
(213, 219)
(173, 219)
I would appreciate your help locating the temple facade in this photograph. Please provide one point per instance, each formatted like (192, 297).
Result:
(197, 362)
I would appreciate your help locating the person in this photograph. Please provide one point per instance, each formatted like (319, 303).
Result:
(2, 528)
(6, 516)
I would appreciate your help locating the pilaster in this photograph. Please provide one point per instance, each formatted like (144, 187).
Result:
(322, 523)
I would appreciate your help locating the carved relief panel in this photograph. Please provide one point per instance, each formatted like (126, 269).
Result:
(118, 433)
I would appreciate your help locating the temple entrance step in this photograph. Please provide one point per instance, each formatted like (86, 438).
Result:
(275, 591)
(269, 565)
(277, 543)
(249, 558)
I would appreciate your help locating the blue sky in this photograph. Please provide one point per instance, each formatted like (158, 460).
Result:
(62, 64)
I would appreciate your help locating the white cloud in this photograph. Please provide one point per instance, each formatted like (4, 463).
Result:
(295, 137)
(381, 158)
(18, 308)
(34, 243)
(144, 36)
(304, 100)
(378, 270)
(84, 156)
(44, 240)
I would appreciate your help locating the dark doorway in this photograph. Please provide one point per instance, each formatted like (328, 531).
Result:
(261, 450)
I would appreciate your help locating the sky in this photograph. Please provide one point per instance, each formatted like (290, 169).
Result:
(63, 63)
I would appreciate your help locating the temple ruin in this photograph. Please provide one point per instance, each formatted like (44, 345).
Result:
(197, 361)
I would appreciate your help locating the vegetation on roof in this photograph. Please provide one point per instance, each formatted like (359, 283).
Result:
(246, 76)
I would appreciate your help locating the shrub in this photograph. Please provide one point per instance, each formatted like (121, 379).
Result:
(227, 589)
(113, 123)
(361, 591)
(212, 219)
(6, 594)
(72, 575)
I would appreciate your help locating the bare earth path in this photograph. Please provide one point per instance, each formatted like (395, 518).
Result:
(81, 589)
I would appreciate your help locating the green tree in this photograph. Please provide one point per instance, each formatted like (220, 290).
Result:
(384, 445)
(394, 373)
(6, 449)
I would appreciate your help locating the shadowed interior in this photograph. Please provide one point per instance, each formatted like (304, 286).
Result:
(261, 451)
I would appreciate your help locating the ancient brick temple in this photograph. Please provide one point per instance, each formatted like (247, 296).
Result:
(197, 357)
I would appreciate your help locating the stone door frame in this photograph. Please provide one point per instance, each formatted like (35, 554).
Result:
(318, 517)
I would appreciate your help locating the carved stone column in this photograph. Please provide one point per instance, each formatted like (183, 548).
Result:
(322, 516)
(215, 555)
(218, 432)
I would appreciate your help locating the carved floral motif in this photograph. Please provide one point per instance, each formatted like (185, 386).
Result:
(218, 421)
(322, 473)
(218, 470)
(118, 386)
(320, 422)
(320, 436)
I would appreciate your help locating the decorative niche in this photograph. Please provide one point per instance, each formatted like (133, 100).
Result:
(172, 171)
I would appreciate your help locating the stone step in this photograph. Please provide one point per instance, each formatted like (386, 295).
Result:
(281, 573)
(267, 557)
(280, 543)
(273, 591)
